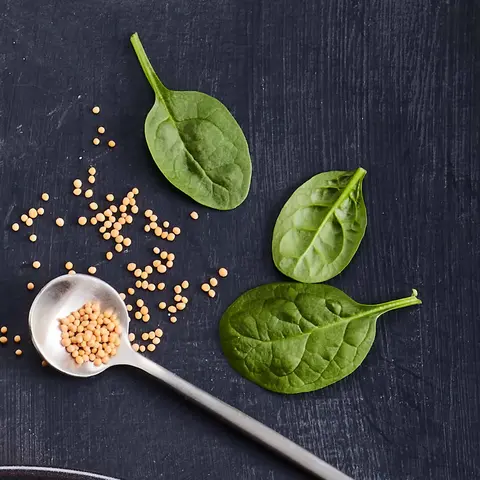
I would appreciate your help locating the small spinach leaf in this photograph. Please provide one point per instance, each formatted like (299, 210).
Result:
(293, 337)
(320, 227)
(196, 143)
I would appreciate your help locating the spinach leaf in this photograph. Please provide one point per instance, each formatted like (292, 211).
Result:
(293, 337)
(196, 143)
(320, 227)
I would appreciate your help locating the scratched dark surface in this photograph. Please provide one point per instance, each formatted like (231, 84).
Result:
(391, 85)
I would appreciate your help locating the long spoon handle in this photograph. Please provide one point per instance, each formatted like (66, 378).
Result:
(258, 431)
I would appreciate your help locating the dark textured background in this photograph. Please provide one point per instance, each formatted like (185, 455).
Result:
(391, 85)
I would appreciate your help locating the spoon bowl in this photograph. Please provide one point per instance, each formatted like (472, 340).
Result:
(58, 299)
(67, 293)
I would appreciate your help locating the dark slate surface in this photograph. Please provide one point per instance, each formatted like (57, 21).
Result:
(316, 85)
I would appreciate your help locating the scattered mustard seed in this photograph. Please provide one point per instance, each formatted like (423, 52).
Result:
(17, 338)
(60, 222)
(36, 264)
(223, 272)
(136, 346)
(110, 197)
(33, 238)
(162, 305)
(44, 363)
(177, 289)
(89, 193)
(96, 110)
(177, 298)
(131, 267)
(161, 286)
(119, 247)
(156, 250)
(213, 282)
(131, 337)
(163, 255)
(159, 332)
(172, 309)
(77, 192)
(77, 183)
(109, 255)
(3, 340)
(24, 217)
(45, 197)
(69, 265)
(29, 222)
(32, 213)
(166, 224)
(30, 286)
(96, 141)
(4, 329)
(205, 287)
(156, 341)
(93, 206)
(111, 143)
(145, 336)
(176, 230)
(211, 293)
(194, 215)
(185, 284)
(92, 171)
(151, 347)
(18, 353)
(15, 227)
(91, 179)
(82, 221)
(171, 237)
(181, 306)
(92, 270)
(173, 319)
(142, 348)
(40, 211)
(169, 264)
(131, 291)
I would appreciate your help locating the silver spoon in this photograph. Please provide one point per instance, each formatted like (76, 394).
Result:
(69, 292)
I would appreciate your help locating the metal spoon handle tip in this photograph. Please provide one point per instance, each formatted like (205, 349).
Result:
(249, 426)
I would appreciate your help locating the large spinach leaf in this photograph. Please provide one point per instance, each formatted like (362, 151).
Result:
(196, 143)
(292, 337)
(320, 227)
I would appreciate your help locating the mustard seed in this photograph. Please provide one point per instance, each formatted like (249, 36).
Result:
(149, 269)
(138, 284)
(106, 235)
(17, 338)
(3, 340)
(161, 286)
(172, 309)
(93, 221)
(82, 221)
(40, 211)
(134, 209)
(110, 197)
(211, 293)
(129, 308)
(131, 291)
(24, 217)
(169, 264)
(163, 255)
(36, 264)
(205, 287)
(145, 336)
(185, 284)
(142, 348)
(161, 269)
(176, 230)
(45, 197)
(153, 226)
(69, 265)
(177, 289)
(166, 224)
(213, 282)
(119, 247)
(33, 238)
(146, 228)
(72, 272)
(138, 315)
(135, 346)
(101, 130)
(177, 298)
(194, 215)
(96, 110)
(111, 143)
(60, 222)
(173, 319)
(127, 242)
(93, 206)
(159, 332)
(18, 353)
(158, 231)
(135, 191)
(92, 171)
(164, 235)
(151, 287)
(109, 255)
(4, 329)
(162, 305)
(181, 306)
(171, 257)
(30, 286)
(15, 227)
(77, 192)
(29, 222)
(100, 217)
(96, 141)
(77, 183)
(44, 363)
(131, 267)
(140, 303)
(156, 263)
(146, 318)
(223, 272)
(156, 341)
(32, 213)
(156, 250)
(89, 193)
(92, 270)
(171, 237)
(144, 275)
(151, 347)
(184, 300)
(148, 213)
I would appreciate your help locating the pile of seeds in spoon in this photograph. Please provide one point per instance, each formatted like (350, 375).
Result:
(112, 220)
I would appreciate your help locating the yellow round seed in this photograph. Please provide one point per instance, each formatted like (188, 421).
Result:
(119, 247)
(213, 282)
(96, 110)
(140, 303)
(176, 230)
(156, 341)
(77, 192)
(156, 250)
(146, 318)
(33, 237)
(3, 340)
(171, 237)
(151, 287)
(169, 264)
(171, 257)
(92, 270)
(149, 269)
(4, 329)
(77, 183)
(205, 287)
(223, 272)
(131, 267)
(161, 286)
(159, 332)
(148, 213)
(211, 293)
(111, 143)
(135, 191)
(138, 284)
(131, 291)
(161, 269)
(92, 170)
(184, 300)
(72, 272)
(96, 141)
(45, 197)
(18, 353)
(15, 227)
(129, 219)
(153, 218)
(185, 284)
(194, 215)
(100, 217)
(40, 211)
(158, 231)
(114, 233)
(82, 221)
(164, 235)
(44, 363)
(144, 275)
(109, 255)
(163, 255)
(29, 222)
(177, 298)
(145, 336)
(138, 315)
(131, 337)
(144, 284)
(17, 338)
(156, 263)
(151, 347)
(36, 264)
(30, 286)
(110, 197)
(162, 305)
(177, 289)
(89, 193)
(142, 348)
(93, 206)
(135, 209)
(119, 239)
(135, 346)
(127, 242)
(24, 217)
(144, 310)
(32, 213)
(101, 130)
(137, 272)
(106, 236)
(172, 309)
(146, 228)
(181, 306)
(173, 319)
(166, 224)
(69, 265)
(114, 208)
